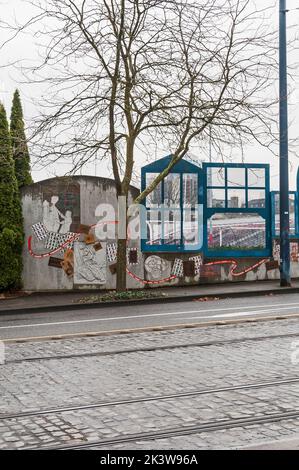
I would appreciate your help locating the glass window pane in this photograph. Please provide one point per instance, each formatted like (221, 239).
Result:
(172, 227)
(190, 227)
(216, 198)
(216, 176)
(236, 177)
(154, 199)
(190, 189)
(292, 209)
(256, 177)
(256, 198)
(238, 231)
(154, 227)
(236, 198)
(172, 190)
(292, 214)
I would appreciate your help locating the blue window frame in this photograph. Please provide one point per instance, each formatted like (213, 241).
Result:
(174, 209)
(236, 210)
(293, 210)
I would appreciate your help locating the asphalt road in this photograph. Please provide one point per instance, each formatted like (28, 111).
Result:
(143, 316)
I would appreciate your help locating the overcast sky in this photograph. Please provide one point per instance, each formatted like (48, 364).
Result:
(25, 48)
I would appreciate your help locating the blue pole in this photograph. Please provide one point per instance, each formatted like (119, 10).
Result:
(285, 279)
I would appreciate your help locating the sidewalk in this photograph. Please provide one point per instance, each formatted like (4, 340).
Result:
(55, 301)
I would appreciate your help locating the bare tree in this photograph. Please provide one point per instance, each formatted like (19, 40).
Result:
(125, 73)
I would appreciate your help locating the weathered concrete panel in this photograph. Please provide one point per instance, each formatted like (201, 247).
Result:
(61, 205)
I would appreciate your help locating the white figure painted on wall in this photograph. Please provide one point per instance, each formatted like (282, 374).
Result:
(46, 214)
(54, 213)
(66, 223)
(53, 219)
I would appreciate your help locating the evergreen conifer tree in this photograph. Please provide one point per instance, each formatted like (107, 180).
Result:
(19, 142)
(11, 222)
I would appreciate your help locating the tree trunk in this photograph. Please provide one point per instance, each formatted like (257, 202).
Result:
(121, 266)
(121, 271)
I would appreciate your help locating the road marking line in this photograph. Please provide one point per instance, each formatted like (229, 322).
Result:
(263, 309)
(156, 328)
(240, 314)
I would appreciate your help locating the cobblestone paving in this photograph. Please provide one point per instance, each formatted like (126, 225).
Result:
(236, 438)
(113, 421)
(129, 341)
(59, 382)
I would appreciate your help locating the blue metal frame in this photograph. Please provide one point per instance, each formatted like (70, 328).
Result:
(265, 212)
(297, 186)
(181, 168)
(274, 234)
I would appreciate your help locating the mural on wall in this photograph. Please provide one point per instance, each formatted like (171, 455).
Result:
(85, 260)
(198, 261)
(55, 262)
(156, 267)
(271, 265)
(58, 229)
(111, 249)
(276, 250)
(233, 266)
(74, 248)
(209, 272)
(40, 231)
(90, 264)
(56, 240)
(61, 206)
(178, 268)
(60, 215)
(294, 251)
(53, 219)
(68, 262)
(132, 256)
(194, 266)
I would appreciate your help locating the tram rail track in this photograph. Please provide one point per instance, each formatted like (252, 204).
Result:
(242, 339)
(129, 401)
(217, 425)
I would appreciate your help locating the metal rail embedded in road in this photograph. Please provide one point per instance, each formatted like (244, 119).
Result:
(180, 431)
(273, 383)
(153, 348)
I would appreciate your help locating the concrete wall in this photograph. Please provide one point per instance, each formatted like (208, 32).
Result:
(56, 209)
(211, 271)
(80, 195)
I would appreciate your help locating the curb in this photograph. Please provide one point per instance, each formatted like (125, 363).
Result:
(156, 300)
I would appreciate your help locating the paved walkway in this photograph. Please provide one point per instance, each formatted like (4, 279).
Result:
(240, 289)
(47, 375)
